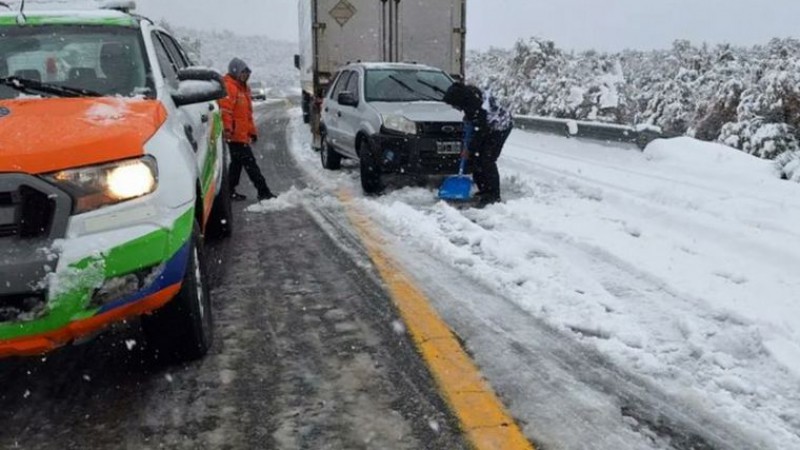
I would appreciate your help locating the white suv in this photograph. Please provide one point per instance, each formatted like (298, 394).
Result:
(390, 117)
(112, 173)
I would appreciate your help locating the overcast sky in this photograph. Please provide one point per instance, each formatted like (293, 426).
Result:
(572, 24)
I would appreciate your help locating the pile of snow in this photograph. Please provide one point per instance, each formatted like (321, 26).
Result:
(108, 110)
(286, 200)
(691, 154)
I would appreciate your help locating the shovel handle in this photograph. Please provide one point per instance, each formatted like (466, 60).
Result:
(469, 130)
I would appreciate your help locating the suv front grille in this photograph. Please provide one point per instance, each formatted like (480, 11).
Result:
(441, 130)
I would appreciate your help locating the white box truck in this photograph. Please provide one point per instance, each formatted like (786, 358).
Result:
(336, 32)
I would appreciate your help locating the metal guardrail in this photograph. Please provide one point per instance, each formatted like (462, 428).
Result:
(589, 130)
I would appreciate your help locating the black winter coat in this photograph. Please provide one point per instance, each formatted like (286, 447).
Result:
(479, 108)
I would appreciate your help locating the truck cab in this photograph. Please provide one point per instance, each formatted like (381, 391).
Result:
(112, 173)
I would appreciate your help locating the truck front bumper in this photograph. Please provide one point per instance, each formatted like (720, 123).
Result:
(89, 281)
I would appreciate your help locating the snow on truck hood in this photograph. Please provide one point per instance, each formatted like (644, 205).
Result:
(420, 111)
(46, 135)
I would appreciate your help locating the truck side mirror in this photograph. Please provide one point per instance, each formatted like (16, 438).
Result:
(297, 62)
(198, 85)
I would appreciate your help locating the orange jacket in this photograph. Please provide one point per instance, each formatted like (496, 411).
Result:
(237, 112)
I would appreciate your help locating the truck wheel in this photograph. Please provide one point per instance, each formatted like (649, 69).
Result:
(331, 159)
(370, 169)
(182, 330)
(220, 222)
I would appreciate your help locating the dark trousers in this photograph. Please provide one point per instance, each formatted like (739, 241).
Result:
(486, 148)
(242, 157)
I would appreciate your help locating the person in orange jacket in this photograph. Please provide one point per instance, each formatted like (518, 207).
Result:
(240, 130)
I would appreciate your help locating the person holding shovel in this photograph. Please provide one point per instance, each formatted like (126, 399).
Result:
(492, 125)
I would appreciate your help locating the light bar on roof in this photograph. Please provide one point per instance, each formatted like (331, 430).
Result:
(125, 6)
(72, 5)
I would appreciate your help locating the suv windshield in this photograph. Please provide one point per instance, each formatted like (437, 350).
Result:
(405, 85)
(108, 60)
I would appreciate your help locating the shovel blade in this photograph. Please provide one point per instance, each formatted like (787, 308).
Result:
(456, 187)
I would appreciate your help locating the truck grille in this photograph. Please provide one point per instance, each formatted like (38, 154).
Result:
(8, 221)
(29, 208)
(37, 213)
(26, 213)
(22, 308)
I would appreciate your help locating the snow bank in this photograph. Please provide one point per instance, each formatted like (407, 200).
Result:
(678, 264)
(716, 158)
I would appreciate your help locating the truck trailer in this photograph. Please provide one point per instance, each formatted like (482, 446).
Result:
(334, 33)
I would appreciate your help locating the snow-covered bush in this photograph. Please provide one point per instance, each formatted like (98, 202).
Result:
(538, 78)
(788, 165)
(747, 98)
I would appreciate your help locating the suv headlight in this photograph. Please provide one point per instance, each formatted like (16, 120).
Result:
(107, 184)
(399, 124)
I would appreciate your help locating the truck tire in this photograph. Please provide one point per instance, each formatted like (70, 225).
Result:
(220, 221)
(331, 159)
(370, 169)
(182, 330)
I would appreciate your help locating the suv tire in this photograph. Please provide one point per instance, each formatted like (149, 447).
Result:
(370, 169)
(331, 159)
(182, 330)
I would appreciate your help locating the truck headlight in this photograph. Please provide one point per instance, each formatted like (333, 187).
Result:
(107, 184)
(399, 124)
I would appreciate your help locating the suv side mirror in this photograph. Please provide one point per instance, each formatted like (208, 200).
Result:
(297, 62)
(347, 99)
(198, 85)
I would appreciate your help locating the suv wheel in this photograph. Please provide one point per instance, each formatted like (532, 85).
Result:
(220, 222)
(331, 159)
(370, 169)
(182, 329)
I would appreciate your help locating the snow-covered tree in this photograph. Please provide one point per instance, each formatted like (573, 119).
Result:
(747, 98)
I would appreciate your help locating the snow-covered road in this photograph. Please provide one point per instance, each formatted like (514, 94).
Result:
(615, 294)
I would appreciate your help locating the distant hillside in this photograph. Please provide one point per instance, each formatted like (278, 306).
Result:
(271, 60)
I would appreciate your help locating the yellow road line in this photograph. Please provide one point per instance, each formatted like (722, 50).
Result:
(482, 416)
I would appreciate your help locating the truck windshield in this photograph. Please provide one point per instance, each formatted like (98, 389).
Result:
(95, 59)
(403, 85)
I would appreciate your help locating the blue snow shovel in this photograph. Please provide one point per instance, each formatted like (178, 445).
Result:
(459, 187)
